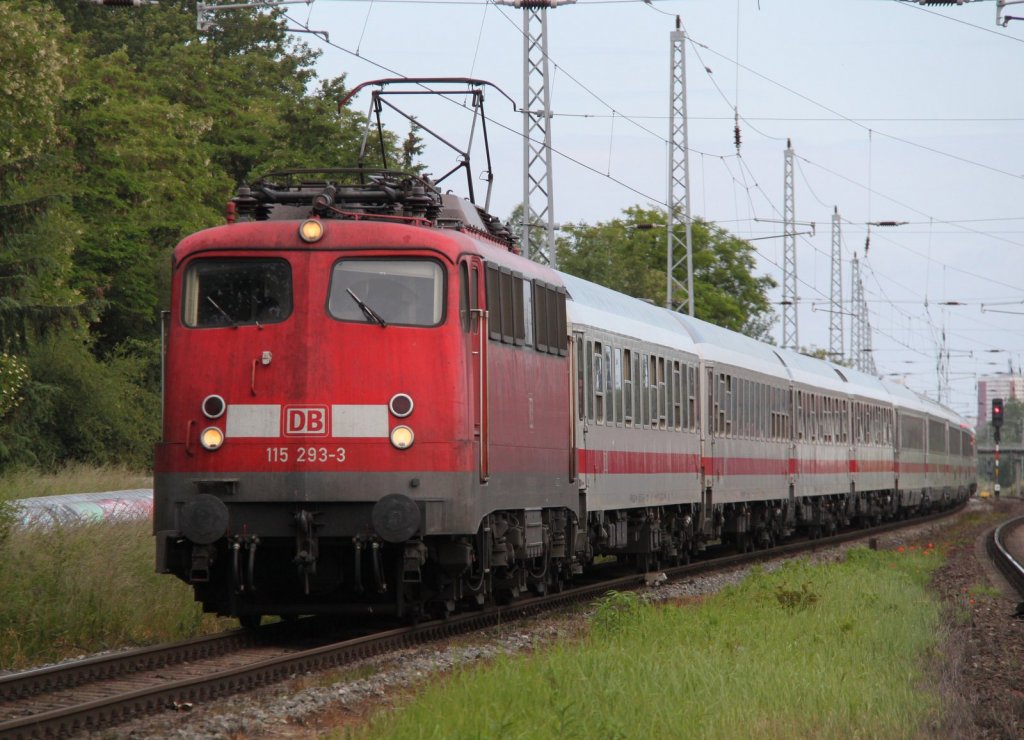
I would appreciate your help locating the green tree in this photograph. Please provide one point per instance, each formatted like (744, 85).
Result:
(143, 183)
(122, 130)
(628, 254)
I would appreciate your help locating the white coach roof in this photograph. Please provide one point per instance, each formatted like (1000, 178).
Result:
(602, 308)
(722, 345)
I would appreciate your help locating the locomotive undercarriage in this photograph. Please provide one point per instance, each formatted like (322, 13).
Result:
(248, 576)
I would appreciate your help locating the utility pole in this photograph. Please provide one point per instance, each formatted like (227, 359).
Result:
(1004, 20)
(678, 172)
(790, 335)
(835, 318)
(538, 196)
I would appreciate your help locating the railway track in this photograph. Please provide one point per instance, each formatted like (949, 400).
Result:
(102, 691)
(1006, 548)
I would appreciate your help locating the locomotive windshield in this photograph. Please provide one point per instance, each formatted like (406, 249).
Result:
(232, 292)
(408, 292)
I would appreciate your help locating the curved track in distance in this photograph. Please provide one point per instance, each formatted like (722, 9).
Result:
(1006, 548)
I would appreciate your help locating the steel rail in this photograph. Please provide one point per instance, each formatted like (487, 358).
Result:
(99, 713)
(1000, 553)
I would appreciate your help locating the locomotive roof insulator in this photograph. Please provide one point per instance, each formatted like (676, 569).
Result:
(325, 199)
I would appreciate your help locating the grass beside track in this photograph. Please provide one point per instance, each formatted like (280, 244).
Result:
(74, 478)
(837, 650)
(77, 589)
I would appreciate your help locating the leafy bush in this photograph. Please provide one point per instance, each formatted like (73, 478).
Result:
(79, 408)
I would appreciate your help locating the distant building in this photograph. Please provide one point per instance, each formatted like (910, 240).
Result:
(1004, 386)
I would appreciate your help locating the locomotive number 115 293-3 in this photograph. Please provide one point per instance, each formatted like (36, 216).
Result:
(306, 454)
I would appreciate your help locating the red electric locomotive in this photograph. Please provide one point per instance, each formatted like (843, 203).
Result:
(329, 395)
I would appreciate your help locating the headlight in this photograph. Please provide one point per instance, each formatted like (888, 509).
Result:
(401, 405)
(311, 230)
(211, 438)
(402, 437)
(213, 406)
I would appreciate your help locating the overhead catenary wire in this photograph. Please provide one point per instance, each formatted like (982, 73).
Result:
(741, 174)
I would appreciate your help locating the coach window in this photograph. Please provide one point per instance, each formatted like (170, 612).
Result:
(766, 410)
(645, 395)
(638, 406)
(662, 395)
(615, 365)
(912, 433)
(675, 392)
(728, 405)
(753, 409)
(581, 383)
(234, 292)
(691, 398)
(627, 386)
(599, 384)
(762, 410)
(711, 417)
(609, 395)
(590, 379)
(736, 407)
(800, 414)
(954, 442)
(936, 437)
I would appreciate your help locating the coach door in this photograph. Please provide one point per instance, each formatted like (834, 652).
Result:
(473, 316)
(578, 413)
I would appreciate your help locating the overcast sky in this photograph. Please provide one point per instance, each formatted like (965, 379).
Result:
(896, 113)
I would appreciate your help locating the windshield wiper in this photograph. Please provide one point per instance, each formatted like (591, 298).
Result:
(223, 313)
(367, 311)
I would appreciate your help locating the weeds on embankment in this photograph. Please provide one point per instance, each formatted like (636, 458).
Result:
(805, 651)
(72, 590)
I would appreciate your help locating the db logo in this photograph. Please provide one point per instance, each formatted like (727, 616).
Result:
(309, 421)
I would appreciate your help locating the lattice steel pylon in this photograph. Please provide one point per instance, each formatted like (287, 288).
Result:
(942, 371)
(790, 334)
(538, 197)
(678, 175)
(835, 320)
(860, 325)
